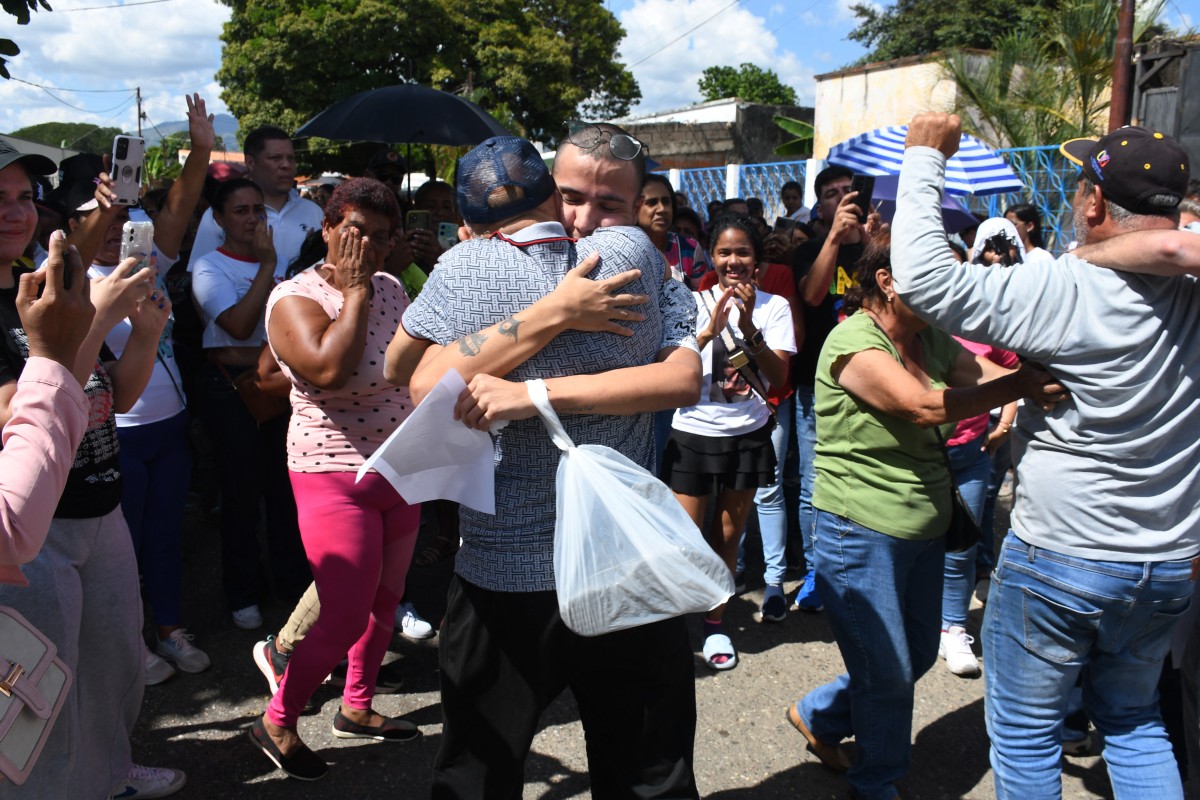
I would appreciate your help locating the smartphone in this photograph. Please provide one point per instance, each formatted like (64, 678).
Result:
(128, 153)
(137, 241)
(447, 235)
(418, 219)
(785, 225)
(865, 186)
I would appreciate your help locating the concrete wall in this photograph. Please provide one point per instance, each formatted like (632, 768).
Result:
(751, 139)
(862, 99)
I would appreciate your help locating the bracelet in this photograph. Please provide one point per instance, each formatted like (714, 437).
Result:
(761, 347)
(1007, 425)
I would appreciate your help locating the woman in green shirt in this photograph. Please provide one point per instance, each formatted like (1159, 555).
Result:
(882, 503)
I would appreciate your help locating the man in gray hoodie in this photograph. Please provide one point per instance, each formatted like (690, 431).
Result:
(1098, 565)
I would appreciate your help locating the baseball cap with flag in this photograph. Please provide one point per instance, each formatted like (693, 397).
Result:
(1142, 171)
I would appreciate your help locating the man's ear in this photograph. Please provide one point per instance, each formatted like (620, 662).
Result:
(1093, 207)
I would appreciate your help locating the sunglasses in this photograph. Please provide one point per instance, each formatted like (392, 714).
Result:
(588, 136)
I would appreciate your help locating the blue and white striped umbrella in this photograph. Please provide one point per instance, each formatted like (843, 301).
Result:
(974, 169)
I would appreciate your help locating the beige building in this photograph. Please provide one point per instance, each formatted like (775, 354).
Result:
(860, 99)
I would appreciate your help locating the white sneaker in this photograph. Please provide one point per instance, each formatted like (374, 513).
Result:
(178, 647)
(248, 618)
(956, 649)
(147, 782)
(411, 624)
(157, 670)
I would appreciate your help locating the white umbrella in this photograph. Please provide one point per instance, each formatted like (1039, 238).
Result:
(974, 169)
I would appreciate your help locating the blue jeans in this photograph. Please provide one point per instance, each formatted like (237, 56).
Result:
(156, 465)
(882, 596)
(985, 554)
(806, 446)
(1048, 616)
(969, 466)
(772, 516)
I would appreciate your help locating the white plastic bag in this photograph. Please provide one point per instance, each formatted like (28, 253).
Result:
(625, 551)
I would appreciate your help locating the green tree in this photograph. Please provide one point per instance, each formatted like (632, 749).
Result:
(748, 82)
(1047, 83)
(921, 27)
(71, 135)
(537, 62)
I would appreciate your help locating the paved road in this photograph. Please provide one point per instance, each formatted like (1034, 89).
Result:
(744, 747)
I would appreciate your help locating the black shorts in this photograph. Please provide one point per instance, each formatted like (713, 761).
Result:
(703, 465)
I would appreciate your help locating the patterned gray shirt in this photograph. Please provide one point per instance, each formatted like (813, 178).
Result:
(480, 282)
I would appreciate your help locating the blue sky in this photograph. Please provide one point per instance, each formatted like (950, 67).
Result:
(171, 47)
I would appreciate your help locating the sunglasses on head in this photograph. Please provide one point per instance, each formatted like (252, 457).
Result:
(588, 136)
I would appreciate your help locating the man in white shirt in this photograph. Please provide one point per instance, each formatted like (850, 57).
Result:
(271, 163)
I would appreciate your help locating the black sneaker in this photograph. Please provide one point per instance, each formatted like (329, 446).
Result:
(388, 681)
(270, 662)
(393, 729)
(390, 678)
(304, 764)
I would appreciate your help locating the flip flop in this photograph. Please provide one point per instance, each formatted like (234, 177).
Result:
(718, 644)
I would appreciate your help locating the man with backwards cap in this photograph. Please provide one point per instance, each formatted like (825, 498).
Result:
(509, 301)
(1098, 565)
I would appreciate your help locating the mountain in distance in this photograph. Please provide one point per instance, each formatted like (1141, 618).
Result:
(225, 126)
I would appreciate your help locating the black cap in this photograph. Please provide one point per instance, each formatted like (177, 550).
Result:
(36, 164)
(1142, 171)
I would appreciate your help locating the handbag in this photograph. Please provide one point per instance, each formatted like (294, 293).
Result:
(263, 405)
(963, 532)
(32, 693)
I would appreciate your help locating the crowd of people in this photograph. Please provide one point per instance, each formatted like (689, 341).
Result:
(854, 382)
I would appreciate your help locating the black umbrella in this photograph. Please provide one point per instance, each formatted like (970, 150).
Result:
(405, 114)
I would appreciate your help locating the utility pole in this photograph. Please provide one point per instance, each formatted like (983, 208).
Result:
(1118, 110)
(140, 115)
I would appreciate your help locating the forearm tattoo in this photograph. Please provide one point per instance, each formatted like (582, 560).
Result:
(509, 328)
(471, 344)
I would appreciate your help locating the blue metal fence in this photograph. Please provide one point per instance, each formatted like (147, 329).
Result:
(1048, 176)
(764, 181)
(1049, 180)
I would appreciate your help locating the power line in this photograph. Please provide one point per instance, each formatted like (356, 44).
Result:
(79, 108)
(115, 5)
(63, 89)
(684, 35)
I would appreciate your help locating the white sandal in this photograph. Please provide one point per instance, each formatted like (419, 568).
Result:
(718, 644)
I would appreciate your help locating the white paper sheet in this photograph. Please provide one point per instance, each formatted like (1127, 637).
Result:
(433, 456)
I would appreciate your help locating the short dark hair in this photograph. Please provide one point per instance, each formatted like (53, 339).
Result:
(876, 255)
(366, 194)
(684, 212)
(755, 205)
(256, 140)
(638, 161)
(430, 186)
(829, 175)
(792, 185)
(226, 189)
(727, 222)
(730, 202)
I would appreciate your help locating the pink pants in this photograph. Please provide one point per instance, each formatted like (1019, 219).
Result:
(359, 540)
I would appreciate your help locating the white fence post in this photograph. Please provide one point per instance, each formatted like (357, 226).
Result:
(675, 177)
(812, 167)
(733, 180)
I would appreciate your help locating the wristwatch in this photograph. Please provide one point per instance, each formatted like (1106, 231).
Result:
(755, 339)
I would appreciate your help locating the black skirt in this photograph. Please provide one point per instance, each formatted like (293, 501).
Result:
(702, 465)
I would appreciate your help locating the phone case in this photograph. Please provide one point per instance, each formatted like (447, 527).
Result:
(417, 219)
(127, 156)
(137, 240)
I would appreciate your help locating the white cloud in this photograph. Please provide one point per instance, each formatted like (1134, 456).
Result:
(669, 73)
(167, 49)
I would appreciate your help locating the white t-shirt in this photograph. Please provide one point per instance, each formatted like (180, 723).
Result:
(289, 226)
(163, 396)
(219, 281)
(727, 406)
